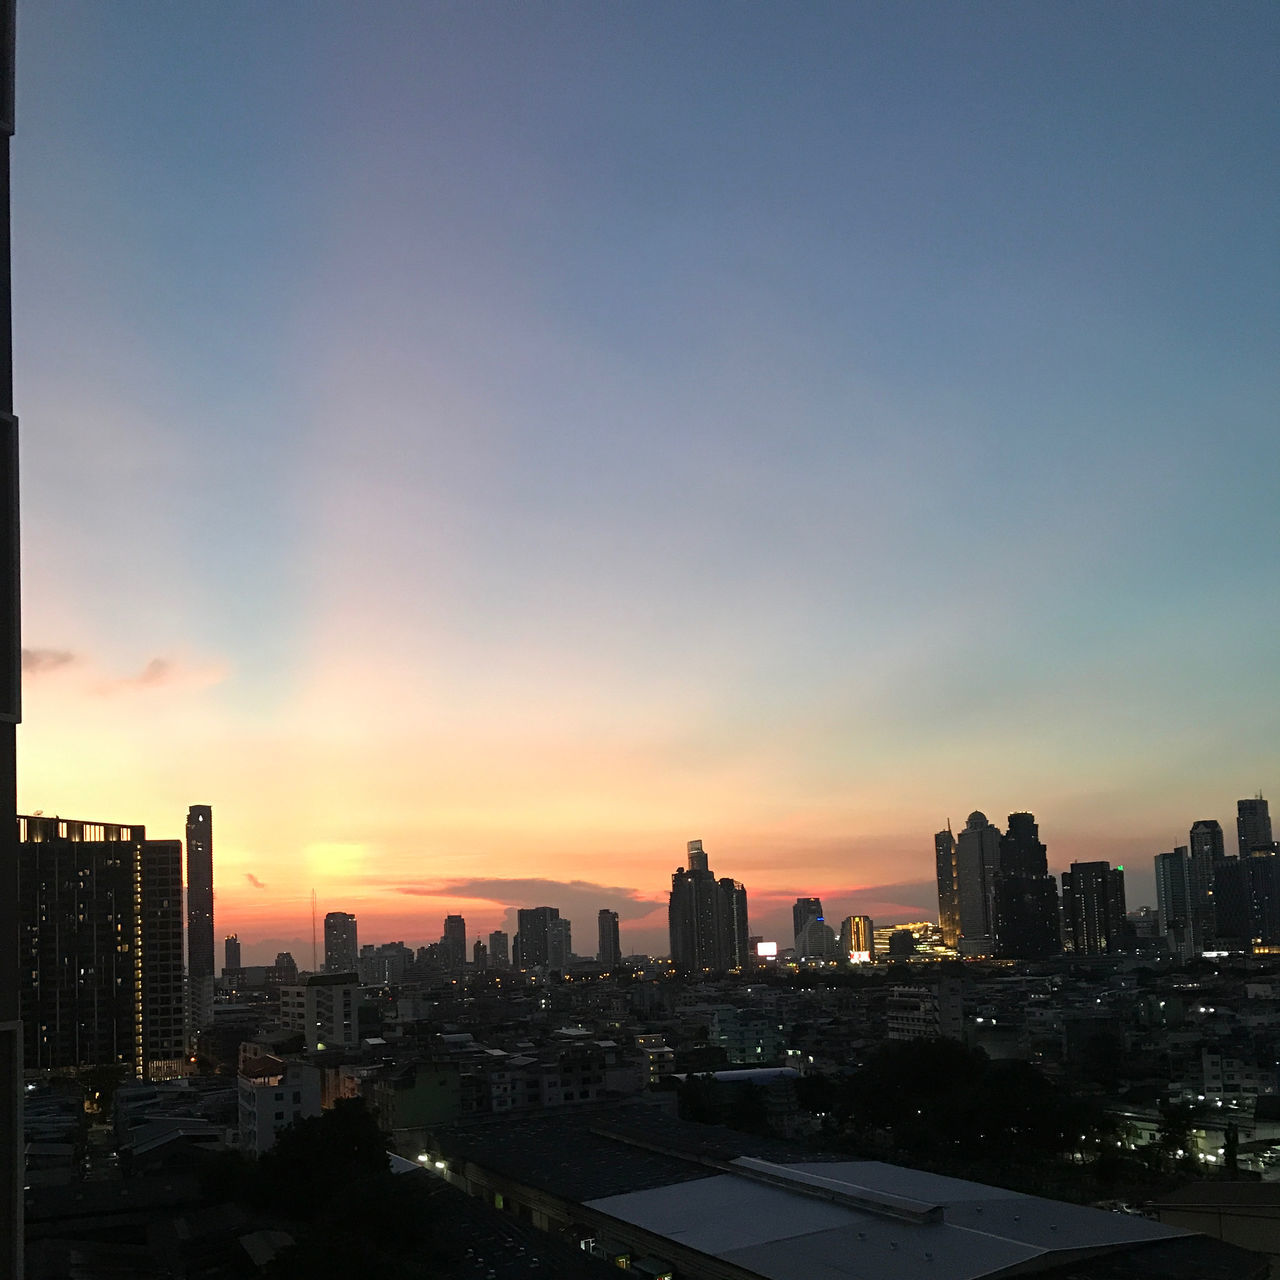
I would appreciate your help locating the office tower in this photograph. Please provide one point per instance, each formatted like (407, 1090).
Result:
(1025, 914)
(164, 1030)
(480, 956)
(610, 951)
(944, 852)
(1232, 924)
(1204, 852)
(533, 935)
(706, 917)
(1093, 910)
(857, 942)
(453, 943)
(1253, 825)
(341, 948)
(816, 941)
(977, 861)
(231, 953)
(11, 931)
(499, 949)
(559, 943)
(200, 891)
(1173, 889)
(101, 947)
(735, 927)
(805, 909)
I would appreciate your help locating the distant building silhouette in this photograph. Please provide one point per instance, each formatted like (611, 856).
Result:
(1205, 852)
(101, 947)
(1025, 917)
(706, 917)
(1232, 906)
(480, 956)
(453, 943)
(200, 957)
(816, 941)
(559, 943)
(977, 862)
(341, 945)
(610, 949)
(1253, 825)
(1173, 889)
(944, 852)
(805, 909)
(857, 938)
(231, 954)
(1093, 908)
(499, 949)
(533, 936)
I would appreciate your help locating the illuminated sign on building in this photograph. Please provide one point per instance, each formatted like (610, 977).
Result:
(766, 950)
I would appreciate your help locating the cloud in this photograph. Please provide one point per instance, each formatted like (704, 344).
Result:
(578, 900)
(161, 672)
(253, 880)
(40, 661)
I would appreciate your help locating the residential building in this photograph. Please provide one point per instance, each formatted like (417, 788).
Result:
(1253, 825)
(453, 943)
(1204, 852)
(559, 943)
(1173, 889)
(610, 949)
(977, 862)
(200, 958)
(326, 1009)
(944, 852)
(273, 1093)
(1093, 909)
(707, 918)
(499, 949)
(533, 935)
(341, 948)
(231, 962)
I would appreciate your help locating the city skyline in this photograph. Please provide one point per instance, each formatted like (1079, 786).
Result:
(563, 434)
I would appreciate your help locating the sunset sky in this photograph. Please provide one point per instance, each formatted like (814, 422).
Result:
(479, 447)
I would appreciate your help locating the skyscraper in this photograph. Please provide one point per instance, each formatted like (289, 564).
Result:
(1025, 918)
(1093, 909)
(341, 946)
(453, 943)
(857, 943)
(805, 909)
(1253, 825)
(1173, 889)
(231, 953)
(101, 949)
(977, 861)
(610, 952)
(707, 919)
(534, 935)
(1205, 852)
(559, 943)
(200, 959)
(944, 852)
(499, 949)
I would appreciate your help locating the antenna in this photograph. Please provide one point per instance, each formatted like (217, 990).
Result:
(313, 932)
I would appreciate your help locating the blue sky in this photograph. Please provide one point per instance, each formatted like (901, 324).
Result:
(522, 430)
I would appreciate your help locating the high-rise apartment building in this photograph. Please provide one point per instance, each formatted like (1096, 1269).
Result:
(944, 853)
(559, 943)
(499, 949)
(1253, 825)
(341, 945)
(706, 917)
(1093, 908)
(1205, 851)
(200, 891)
(977, 861)
(610, 950)
(1025, 915)
(533, 935)
(453, 943)
(101, 947)
(1173, 889)
(231, 961)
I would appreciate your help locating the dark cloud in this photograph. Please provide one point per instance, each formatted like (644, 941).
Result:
(253, 880)
(577, 900)
(38, 661)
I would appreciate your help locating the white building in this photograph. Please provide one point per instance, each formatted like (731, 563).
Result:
(273, 1094)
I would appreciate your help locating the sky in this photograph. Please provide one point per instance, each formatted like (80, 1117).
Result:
(480, 447)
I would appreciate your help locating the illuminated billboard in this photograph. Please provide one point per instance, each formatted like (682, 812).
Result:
(766, 950)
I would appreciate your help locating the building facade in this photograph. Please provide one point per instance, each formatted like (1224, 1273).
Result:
(944, 854)
(610, 949)
(1093, 908)
(706, 917)
(341, 945)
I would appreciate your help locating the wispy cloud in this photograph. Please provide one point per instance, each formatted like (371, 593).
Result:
(253, 880)
(576, 899)
(41, 661)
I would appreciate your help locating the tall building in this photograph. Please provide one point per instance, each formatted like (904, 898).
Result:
(200, 891)
(231, 953)
(1263, 869)
(1173, 889)
(857, 943)
(101, 947)
(1025, 914)
(341, 946)
(944, 852)
(805, 909)
(977, 861)
(706, 917)
(1093, 909)
(1232, 908)
(1205, 851)
(533, 936)
(1253, 825)
(499, 949)
(559, 943)
(453, 943)
(480, 956)
(610, 951)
